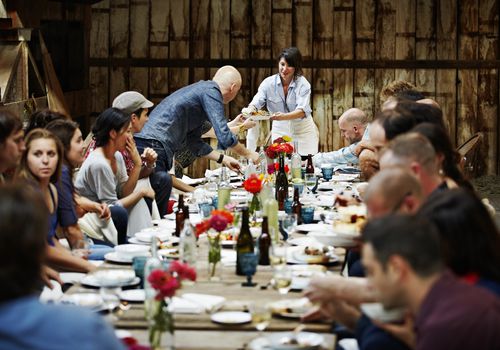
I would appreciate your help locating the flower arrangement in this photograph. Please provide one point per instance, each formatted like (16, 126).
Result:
(274, 167)
(254, 185)
(219, 221)
(280, 146)
(165, 284)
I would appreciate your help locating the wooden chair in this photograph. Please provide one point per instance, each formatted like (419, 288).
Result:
(469, 155)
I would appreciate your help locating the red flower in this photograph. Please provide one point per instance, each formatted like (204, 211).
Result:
(279, 140)
(183, 271)
(157, 278)
(202, 227)
(253, 184)
(271, 169)
(168, 289)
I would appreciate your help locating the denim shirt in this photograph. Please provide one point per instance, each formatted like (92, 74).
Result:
(271, 95)
(178, 120)
(342, 156)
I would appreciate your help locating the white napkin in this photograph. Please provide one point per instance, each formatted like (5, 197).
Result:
(195, 303)
(49, 295)
(71, 277)
(186, 179)
(228, 257)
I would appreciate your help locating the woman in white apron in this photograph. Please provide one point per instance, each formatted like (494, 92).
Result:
(287, 96)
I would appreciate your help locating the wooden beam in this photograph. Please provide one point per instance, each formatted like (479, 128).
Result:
(270, 63)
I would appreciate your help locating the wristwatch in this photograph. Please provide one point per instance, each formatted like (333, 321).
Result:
(221, 158)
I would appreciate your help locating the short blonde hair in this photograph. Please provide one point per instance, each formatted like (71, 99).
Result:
(393, 88)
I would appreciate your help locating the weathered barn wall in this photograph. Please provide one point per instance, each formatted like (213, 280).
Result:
(351, 49)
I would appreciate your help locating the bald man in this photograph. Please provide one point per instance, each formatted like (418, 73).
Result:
(353, 125)
(176, 123)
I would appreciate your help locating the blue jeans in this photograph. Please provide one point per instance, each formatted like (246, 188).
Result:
(119, 215)
(160, 179)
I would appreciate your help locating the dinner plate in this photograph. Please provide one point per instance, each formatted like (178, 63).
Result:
(231, 317)
(71, 277)
(91, 281)
(344, 177)
(332, 239)
(305, 241)
(134, 240)
(146, 237)
(296, 255)
(133, 295)
(305, 340)
(116, 258)
(314, 227)
(290, 308)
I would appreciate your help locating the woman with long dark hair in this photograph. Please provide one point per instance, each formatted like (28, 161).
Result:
(287, 95)
(470, 240)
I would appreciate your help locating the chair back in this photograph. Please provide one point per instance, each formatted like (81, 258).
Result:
(469, 155)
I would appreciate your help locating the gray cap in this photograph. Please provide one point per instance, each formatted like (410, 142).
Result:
(131, 101)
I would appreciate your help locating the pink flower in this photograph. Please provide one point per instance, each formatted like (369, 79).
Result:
(157, 278)
(270, 169)
(168, 289)
(218, 222)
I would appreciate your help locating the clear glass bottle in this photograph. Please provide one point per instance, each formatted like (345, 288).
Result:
(153, 263)
(187, 244)
(296, 162)
(262, 161)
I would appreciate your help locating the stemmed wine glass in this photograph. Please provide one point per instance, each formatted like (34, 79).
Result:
(261, 315)
(310, 180)
(282, 278)
(288, 223)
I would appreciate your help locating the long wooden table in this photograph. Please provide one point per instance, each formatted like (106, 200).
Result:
(197, 331)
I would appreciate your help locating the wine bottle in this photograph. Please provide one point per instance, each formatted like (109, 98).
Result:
(244, 244)
(281, 184)
(297, 206)
(296, 162)
(310, 166)
(264, 243)
(179, 216)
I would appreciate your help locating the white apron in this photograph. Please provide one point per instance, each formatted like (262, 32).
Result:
(302, 130)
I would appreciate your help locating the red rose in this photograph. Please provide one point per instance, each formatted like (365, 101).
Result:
(168, 289)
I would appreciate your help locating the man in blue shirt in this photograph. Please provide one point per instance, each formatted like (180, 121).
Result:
(353, 125)
(25, 323)
(177, 121)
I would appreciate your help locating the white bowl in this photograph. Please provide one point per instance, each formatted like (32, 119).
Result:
(114, 277)
(130, 251)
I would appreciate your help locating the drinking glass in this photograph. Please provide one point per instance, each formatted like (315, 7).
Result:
(310, 180)
(289, 223)
(277, 254)
(261, 315)
(327, 171)
(307, 214)
(81, 247)
(282, 277)
(111, 297)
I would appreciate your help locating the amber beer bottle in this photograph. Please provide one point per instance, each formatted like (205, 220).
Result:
(281, 184)
(244, 244)
(309, 166)
(264, 243)
(180, 216)
(297, 206)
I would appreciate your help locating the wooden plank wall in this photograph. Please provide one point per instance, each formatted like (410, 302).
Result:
(351, 49)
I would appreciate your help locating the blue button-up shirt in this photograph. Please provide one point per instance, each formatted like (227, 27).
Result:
(271, 95)
(178, 120)
(342, 156)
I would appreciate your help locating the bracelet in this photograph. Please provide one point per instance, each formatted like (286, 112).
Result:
(221, 158)
(152, 166)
